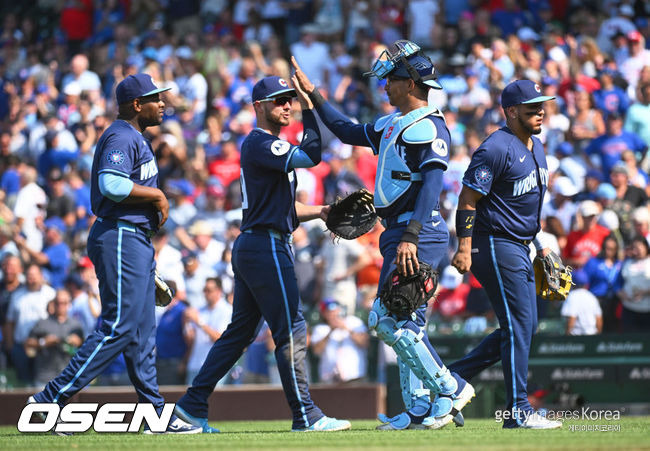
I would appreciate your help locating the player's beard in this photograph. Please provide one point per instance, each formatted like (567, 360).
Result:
(529, 128)
(278, 119)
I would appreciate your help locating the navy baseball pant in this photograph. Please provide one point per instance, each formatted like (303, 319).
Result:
(504, 269)
(123, 257)
(265, 286)
(432, 248)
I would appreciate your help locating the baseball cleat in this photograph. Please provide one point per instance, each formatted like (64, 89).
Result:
(326, 424)
(195, 421)
(41, 416)
(537, 421)
(460, 401)
(176, 426)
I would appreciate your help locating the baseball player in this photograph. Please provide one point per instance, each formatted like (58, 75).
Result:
(262, 259)
(498, 216)
(412, 146)
(129, 208)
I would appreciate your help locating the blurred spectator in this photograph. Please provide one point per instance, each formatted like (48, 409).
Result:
(586, 241)
(205, 326)
(208, 250)
(628, 198)
(85, 79)
(195, 276)
(586, 121)
(169, 261)
(561, 206)
(451, 299)
(637, 120)
(312, 55)
(610, 98)
(341, 342)
(12, 273)
(341, 180)
(55, 257)
(636, 176)
(603, 281)
(609, 147)
(307, 261)
(259, 359)
(641, 222)
(635, 291)
(171, 342)
(581, 309)
(30, 209)
(28, 306)
(342, 260)
(53, 340)
(638, 58)
(85, 306)
(60, 203)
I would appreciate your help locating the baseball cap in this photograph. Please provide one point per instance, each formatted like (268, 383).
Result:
(564, 187)
(522, 92)
(134, 86)
(594, 174)
(620, 168)
(588, 208)
(634, 36)
(605, 191)
(580, 278)
(450, 278)
(328, 304)
(609, 220)
(55, 223)
(270, 87)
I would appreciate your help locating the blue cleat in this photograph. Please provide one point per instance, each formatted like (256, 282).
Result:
(195, 421)
(326, 424)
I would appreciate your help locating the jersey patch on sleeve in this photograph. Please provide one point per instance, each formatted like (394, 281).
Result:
(439, 146)
(115, 157)
(483, 174)
(280, 147)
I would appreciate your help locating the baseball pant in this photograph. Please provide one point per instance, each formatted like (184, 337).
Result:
(504, 268)
(123, 257)
(265, 287)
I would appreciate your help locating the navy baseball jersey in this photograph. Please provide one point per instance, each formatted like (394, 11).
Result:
(512, 180)
(268, 185)
(123, 150)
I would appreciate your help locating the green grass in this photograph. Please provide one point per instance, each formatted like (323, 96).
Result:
(477, 434)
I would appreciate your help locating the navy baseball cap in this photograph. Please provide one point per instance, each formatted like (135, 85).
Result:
(271, 87)
(134, 86)
(522, 92)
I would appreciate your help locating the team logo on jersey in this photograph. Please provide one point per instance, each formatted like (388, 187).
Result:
(483, 174)
(280, 147)
(439, 146)
(283, 82)
(115, 157)
(389, 131)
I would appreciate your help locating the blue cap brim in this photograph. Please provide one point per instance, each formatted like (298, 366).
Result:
(538, 100)
(289, 91)
(155, 91)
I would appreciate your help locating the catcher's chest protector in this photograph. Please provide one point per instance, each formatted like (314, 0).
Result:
(393, 175)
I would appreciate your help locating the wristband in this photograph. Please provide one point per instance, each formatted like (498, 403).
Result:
(412, 232)
(316, 97)
(465, 223)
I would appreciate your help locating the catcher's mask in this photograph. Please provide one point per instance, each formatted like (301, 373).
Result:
(406, 60)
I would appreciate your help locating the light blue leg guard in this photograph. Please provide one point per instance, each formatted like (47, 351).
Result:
(410, 348)
(415, 396)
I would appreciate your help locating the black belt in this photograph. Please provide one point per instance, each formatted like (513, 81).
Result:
(512, 238)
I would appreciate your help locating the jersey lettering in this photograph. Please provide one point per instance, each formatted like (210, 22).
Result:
(526, 184)
(244, 194)
(148, 170)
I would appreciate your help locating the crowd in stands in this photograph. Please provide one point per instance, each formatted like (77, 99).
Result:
(60, 63)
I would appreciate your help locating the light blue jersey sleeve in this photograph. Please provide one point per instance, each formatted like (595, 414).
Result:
(115, 187)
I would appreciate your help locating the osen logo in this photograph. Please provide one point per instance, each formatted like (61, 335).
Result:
(280, 147)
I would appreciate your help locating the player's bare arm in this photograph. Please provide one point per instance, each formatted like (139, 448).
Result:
(309, 212)
(467, 200)
(303, 97)
(146, 194)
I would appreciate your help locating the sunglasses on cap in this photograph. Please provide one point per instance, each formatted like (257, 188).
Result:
(279, 101)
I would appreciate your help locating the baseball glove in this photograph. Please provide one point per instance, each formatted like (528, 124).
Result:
(352, 216)
(164, 294)
(403, 295)
(552, 279)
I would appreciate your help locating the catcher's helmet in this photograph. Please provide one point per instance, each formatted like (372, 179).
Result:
(405, 60)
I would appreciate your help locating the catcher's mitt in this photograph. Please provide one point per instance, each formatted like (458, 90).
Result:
(352, 216)
(552, 279)
(164, 294)
(402, 295)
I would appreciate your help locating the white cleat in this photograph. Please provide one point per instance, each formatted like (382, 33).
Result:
(536, 421)
(463, 398)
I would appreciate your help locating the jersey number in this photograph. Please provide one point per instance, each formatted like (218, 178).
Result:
(244, 195)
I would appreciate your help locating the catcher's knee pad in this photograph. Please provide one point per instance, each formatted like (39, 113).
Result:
(415, 396)
(411, 349)
(378, 311)
(387, 329)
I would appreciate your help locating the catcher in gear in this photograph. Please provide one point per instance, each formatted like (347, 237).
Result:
(412, 148)
(498, 216)
(352, 216)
